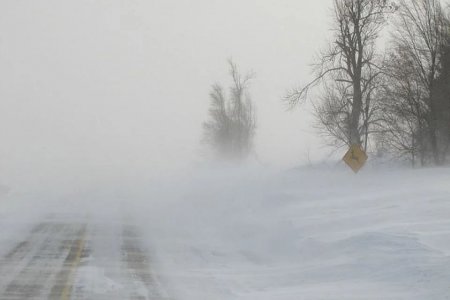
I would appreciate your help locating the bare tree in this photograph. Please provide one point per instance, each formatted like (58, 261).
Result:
(412, 97)
(334, 113)
(402, 127)
(349, 67)
(218, 130)
(442, 96)
(231, 128)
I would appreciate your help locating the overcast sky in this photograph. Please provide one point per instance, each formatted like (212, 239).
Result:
(123, 84)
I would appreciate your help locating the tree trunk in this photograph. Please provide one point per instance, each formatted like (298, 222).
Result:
(355, 137)
(433, 128)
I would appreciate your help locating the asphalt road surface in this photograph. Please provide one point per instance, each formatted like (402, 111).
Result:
(63, 259)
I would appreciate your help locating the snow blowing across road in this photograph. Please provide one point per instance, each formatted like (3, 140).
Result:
(247, 234)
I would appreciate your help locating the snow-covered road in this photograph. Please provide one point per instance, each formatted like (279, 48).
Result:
(78, 258)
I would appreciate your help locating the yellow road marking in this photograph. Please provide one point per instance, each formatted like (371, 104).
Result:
(66, 292)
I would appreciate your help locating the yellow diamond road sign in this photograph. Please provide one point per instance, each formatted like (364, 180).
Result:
(355, 158)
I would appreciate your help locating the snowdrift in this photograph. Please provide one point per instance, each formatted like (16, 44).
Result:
(304, 234)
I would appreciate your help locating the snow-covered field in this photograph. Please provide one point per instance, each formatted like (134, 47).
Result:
(304, 234)
(255, 234)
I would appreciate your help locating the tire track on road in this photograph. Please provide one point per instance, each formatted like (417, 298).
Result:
(138, 263)
(17, 259)
(30, 269)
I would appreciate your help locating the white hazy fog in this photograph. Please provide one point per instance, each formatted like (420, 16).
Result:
(104, 193)
(122, 85)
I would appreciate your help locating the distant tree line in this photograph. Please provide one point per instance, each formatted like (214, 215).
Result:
(394, 100)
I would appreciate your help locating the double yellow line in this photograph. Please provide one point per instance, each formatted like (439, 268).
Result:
(67, 291)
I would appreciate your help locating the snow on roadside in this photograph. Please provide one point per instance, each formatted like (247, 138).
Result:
(303, 234)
